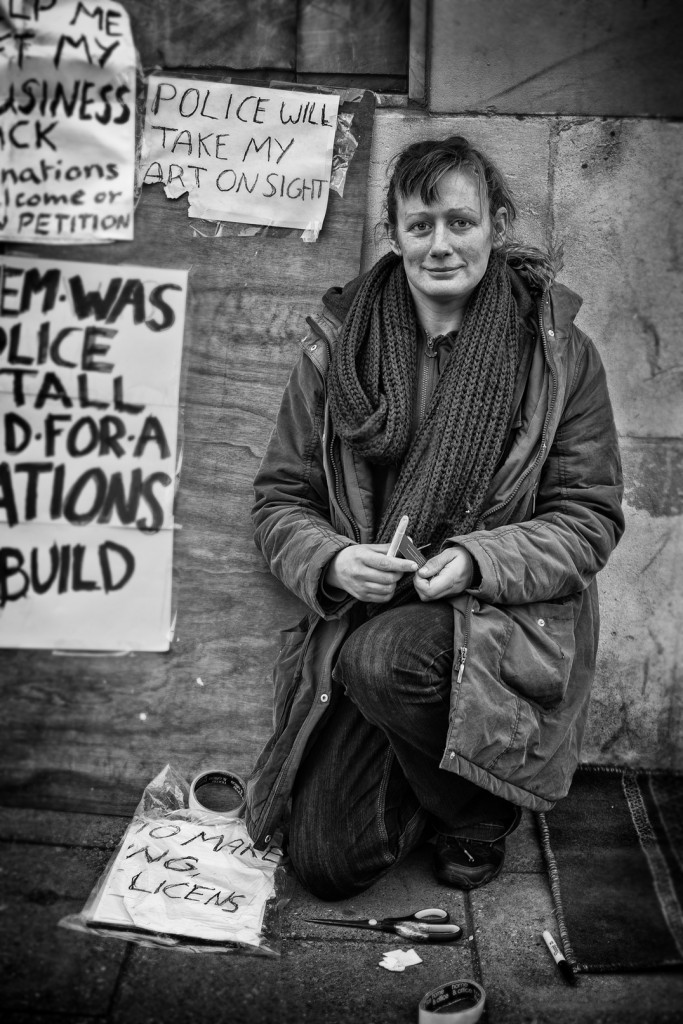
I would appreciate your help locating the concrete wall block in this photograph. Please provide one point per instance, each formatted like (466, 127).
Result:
(653, 475)
(583, 57)
(617, 204)
(617, 197)
(520, 148)
(637, 705)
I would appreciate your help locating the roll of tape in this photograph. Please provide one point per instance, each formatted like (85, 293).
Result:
(456, 1002)
(236, 789)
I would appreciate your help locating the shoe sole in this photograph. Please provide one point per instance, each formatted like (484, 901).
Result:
(465, 885)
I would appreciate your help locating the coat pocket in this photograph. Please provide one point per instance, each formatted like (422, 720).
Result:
(539, 653)
(287, 669)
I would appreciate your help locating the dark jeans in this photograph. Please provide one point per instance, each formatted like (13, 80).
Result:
(371, 784)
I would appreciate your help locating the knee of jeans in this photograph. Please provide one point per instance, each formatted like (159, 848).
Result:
(326, 872)
(364, 667)
(323, 886)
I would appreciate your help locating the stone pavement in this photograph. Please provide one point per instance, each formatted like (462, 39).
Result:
(51, 860)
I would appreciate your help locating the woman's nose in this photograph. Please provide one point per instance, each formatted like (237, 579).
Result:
(441, 241)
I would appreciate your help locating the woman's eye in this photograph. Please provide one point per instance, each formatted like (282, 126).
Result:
(460, 223)
(419, 226)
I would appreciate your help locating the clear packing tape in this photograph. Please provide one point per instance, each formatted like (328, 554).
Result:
(188, 878)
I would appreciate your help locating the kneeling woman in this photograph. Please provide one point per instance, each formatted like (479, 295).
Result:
(449, 384)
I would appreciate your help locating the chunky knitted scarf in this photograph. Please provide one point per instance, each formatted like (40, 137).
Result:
(446, 469)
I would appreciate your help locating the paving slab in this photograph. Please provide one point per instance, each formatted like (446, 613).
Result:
(45, 968)
(30, 1017)
(29, 825)
(409, 887)
(522, 850)
(522, 982)
(334, 982)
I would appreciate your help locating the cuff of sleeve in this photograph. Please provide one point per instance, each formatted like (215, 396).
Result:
(476, 577)
(487, 584)
(484, 582)
(332, 600)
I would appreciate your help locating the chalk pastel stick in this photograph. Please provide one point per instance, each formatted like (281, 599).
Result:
(398, 536)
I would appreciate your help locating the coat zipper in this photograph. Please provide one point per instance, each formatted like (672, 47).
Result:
(341, 499)
(431, 353)
(462, 651)
(544, 435)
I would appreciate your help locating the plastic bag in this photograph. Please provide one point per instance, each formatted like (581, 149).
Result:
(189, 879)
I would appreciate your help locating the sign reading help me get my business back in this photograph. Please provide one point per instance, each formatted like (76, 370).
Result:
(244, 154)
(67, 124)
(90, 360)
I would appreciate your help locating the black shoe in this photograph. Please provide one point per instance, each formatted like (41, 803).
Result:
(468, 863)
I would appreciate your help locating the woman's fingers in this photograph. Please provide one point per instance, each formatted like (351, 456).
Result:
(366, 571)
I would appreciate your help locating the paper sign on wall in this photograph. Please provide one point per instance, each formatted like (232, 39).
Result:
(255, 156)
(67, 121)
(90, 360)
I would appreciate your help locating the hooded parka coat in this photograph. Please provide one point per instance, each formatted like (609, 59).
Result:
(525, 637)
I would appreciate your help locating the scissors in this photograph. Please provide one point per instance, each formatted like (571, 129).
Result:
(432, 925)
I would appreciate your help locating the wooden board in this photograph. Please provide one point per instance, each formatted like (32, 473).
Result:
(353, 37)
(88, 732)
(215, 33)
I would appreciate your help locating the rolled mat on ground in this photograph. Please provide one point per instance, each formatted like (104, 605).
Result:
(614, 853)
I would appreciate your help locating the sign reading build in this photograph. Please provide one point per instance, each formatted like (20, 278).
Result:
(255, 156)
(90, 360)
(67, 121)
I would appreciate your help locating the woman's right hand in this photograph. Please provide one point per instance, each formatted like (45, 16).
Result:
(366, 571)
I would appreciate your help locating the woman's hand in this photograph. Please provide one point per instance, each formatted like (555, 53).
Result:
(445, 575)
(366, 572)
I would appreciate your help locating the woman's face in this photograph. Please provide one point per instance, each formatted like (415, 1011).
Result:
(445, 245)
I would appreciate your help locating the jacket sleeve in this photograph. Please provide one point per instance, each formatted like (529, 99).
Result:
(578, 519)
(291, 513)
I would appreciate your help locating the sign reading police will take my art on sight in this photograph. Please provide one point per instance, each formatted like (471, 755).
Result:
(90, 360)
(244, 154)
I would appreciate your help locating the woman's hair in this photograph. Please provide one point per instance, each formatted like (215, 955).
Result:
(420, 167)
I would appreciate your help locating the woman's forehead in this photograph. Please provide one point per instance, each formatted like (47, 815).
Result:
(455, 189)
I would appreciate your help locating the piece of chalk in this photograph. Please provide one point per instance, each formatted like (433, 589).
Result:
(398, 536)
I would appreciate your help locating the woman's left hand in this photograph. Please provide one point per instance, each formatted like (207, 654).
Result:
(445, 575)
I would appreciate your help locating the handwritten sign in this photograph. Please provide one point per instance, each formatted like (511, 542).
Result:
(89, 373)
(67, 121)
(188, 875)
(255, 156)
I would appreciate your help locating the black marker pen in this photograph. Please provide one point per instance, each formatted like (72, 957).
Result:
(559, 958)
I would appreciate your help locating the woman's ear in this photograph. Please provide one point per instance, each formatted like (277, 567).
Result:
(499, 227)
(391, 237)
